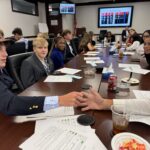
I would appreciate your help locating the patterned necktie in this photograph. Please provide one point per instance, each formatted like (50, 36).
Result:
(47, 67)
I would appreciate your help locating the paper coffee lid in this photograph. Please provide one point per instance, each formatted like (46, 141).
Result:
(132, 81)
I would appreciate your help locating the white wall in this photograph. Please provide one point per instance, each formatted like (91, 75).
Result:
(87, 16)
(9, 20)
(67, 22)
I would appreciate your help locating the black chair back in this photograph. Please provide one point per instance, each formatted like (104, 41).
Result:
(14, 64)
(76, 42)
(30, 46)
(50, 43)
(16, 48)
(51, 46)
(102, 35)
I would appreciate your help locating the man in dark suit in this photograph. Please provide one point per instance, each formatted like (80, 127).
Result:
(10, 104)
(125, 34)
(38, 65)
(70, 50)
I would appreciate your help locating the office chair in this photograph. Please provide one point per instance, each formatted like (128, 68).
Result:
(30, 46)
(51, 47)
(102, 35)
(14, 64)
(50, 43)
(76, 42)
(16, 48)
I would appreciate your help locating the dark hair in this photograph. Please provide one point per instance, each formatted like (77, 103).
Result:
(148, 31)
(58, 39)
(136, 37)
(17, 31)
(65, 32)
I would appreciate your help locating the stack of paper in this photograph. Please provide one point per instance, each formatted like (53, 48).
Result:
(62, 134)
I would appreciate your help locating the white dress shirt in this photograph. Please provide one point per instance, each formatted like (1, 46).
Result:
(134, 46)
(133, 106)
(140, 49)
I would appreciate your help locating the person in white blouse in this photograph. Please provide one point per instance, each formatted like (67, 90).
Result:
(140, 49)
(92, 100)
(136, 41)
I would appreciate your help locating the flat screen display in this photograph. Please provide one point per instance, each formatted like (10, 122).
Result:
(67, 8)
(115, 16)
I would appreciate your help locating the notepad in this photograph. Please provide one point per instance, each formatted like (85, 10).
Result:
(136, 70)
(120, 65)
(60, 78)
(91, 58)
(69, 70)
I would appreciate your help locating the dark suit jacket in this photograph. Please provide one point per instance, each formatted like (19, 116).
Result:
(10, 104)
(33, 70)
(68, 55)
(57, 57)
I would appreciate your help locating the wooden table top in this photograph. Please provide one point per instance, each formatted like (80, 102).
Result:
(13, 134)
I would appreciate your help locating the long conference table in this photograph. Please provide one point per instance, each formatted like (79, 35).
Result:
(13, 134)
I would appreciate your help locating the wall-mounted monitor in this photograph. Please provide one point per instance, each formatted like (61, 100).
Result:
(115, 16)
(67, 8)
(25, 6)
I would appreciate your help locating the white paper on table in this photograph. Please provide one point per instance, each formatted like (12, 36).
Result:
(70, 121)
(90, 54)
(142, 94)
(108, 70)
(129, 65)
(137, 70)
(128, 53)
(58, 138)
(60, 78)
(91, 63)
(69, 70)
(139, 118)
(95, 61)
(57, 112)
(91, 58)
(74, 76)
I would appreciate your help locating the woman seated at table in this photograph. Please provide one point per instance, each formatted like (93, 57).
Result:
(86, 44)
(92, 100)
(57, 54)
(136, 41)
(129, 42)
(38, 65)
(147, 49)
(109, 37)
(140, 49)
